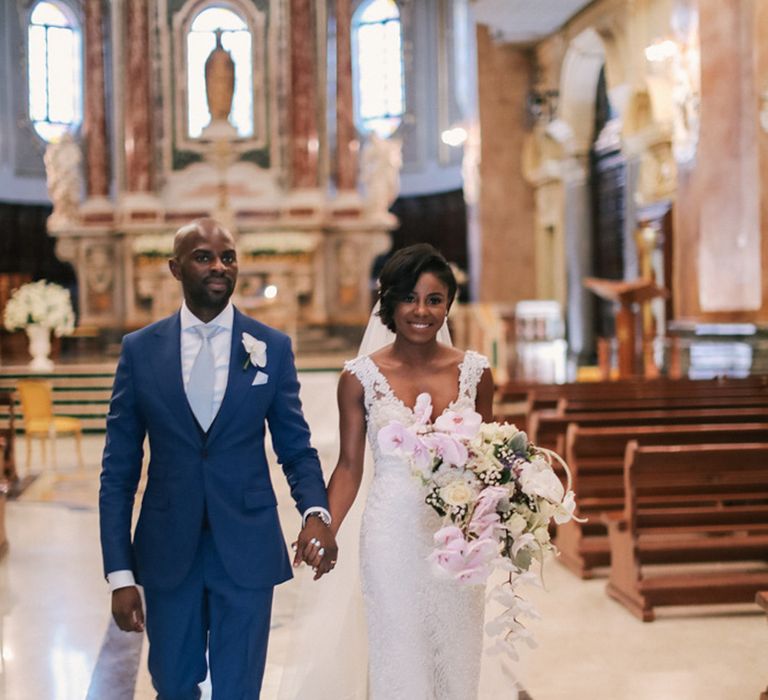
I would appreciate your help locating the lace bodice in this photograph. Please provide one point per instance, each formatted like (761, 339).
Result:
(382, 406)
(424, 633)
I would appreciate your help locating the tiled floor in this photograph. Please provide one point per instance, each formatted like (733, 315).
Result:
(54, 606)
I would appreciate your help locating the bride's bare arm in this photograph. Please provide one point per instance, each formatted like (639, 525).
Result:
(484, 401)
(346, 477)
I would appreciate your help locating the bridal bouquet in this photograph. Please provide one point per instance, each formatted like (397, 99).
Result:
(497, 494)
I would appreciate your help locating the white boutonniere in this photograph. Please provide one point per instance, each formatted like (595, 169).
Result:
(256, 349)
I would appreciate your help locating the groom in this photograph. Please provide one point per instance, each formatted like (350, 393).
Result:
(207, 547)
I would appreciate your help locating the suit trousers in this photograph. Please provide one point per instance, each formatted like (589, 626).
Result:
(208, 611)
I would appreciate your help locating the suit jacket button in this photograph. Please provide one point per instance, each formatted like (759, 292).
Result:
(204, 454)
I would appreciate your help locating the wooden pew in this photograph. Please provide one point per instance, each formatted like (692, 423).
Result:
(748, 400)
(548, 428)
(689, 504)
(514, 400)
(595, 457)
(547, 395)
(762, 600)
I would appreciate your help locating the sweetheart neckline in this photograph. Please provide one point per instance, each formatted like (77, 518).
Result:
(412, 409)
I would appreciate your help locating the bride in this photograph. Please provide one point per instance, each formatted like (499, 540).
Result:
(424, 633)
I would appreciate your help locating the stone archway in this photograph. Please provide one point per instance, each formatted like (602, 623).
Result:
(583, 62)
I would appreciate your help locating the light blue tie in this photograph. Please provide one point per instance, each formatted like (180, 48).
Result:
(202, 379)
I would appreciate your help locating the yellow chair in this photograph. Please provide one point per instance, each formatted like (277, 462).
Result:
(39, 421)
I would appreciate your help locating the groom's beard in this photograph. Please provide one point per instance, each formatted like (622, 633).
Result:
(206, 295)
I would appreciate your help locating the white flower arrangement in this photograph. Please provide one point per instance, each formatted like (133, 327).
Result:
(158, 245)
(40, 303)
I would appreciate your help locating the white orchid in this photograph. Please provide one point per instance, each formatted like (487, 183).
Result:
(256, 349)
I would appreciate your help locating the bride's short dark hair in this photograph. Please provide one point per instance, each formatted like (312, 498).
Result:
(401, 273)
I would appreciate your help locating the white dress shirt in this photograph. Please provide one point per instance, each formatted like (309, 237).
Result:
(221, 345)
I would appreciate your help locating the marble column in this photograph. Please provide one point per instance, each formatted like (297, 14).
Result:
(138, 153)
(95, 122)
(305, 142)
(729, 226)
(346, 140)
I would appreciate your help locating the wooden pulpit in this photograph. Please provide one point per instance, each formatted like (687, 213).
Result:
(627, 294)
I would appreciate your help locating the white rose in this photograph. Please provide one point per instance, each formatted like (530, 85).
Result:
(457, 493)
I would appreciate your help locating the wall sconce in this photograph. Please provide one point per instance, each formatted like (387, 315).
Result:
(541, 105)
(455, 136)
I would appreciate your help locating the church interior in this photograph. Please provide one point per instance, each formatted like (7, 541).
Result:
(593, 171)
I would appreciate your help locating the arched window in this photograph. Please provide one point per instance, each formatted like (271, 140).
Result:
(377, 65)
(55, 70)
(201, 40)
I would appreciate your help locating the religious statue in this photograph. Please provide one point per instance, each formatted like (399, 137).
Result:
(219, 81)
(380, 165)
(62, 168)
(657, 178)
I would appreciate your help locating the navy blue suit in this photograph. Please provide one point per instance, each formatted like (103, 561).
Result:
(209, 513)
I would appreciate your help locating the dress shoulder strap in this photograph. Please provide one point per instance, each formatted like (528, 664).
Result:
(470, 371)
(367, 373)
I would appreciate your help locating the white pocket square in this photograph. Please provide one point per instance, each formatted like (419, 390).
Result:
(260, 378)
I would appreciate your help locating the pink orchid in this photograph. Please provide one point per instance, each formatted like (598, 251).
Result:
(489, 499)
(395, 438)
(421, 456)
(481, 551)
(484, 526)
(474, 575)
(451, 450)
(447, 561)
(448, 554)
(465, 423)
(478, 561)
(422, 411)
(447, 535)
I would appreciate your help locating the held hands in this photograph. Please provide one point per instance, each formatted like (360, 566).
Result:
(316, 546)
(127, 609)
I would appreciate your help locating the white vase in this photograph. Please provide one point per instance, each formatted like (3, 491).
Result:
(39, 347)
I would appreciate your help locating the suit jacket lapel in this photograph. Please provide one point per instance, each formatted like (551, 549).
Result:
(241, 374)
(166, 362)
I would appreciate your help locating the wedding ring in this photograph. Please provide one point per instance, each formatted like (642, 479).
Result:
(321, 551)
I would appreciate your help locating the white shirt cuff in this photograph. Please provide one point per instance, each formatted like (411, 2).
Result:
(316, 509)
(120, 579)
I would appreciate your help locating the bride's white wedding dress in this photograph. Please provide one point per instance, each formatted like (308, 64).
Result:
(424, 633)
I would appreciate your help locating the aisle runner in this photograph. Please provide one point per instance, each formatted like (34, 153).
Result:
(117, 666)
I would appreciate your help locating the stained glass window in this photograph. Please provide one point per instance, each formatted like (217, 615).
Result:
(377, 65)
(54, 70)
(201, 40)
